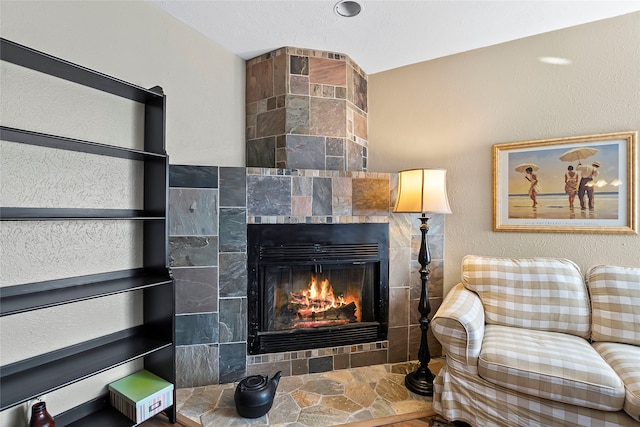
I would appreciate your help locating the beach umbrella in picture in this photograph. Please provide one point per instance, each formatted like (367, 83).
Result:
(524, 166)
(579, 153)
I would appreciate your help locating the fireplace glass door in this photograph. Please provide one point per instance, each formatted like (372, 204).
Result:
(319, 295)
(316, 285)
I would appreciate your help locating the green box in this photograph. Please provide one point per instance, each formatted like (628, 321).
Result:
(141, 395)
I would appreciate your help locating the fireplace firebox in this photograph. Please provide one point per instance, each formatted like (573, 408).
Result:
(316, 285)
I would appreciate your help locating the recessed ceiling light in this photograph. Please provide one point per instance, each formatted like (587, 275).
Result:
(348, 9)
(555, 60)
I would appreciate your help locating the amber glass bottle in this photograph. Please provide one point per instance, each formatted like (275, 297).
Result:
(40, 417)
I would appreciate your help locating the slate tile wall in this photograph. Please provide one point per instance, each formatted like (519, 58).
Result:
(193, 258)
(306, 109)
(208, 214)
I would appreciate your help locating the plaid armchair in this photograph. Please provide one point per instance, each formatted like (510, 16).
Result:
(521, 349)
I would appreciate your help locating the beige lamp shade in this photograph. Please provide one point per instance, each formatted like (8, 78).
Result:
(422, 191)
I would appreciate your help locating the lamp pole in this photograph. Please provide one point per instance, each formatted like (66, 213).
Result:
(421, 380)
(422, 191)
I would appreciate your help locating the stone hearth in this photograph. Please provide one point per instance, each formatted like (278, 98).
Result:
(315, 400)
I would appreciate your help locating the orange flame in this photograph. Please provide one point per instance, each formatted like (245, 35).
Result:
(319, 297)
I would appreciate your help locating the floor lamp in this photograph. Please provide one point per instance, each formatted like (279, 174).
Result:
(422, 191)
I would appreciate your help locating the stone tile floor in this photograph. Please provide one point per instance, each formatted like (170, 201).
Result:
(314, 400)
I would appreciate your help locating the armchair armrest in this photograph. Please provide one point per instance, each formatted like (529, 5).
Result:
(459, 325)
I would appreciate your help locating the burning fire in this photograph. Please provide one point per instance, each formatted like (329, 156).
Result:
(320, 295)
(319, 303)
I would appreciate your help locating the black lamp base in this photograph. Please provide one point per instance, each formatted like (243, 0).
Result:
(420, 382)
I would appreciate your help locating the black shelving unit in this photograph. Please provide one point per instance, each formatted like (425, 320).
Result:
(153, 341)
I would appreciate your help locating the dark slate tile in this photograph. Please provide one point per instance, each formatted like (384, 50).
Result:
(299, 65)
(196, 289)
(414, 342)
(320, 364)
(193, 212)
(233, 362)
(335, 163)
(233, 230)
(335, 147)
(302, 186)
(271, 103)
(435, 348)
(322, 196)
(299, 85)
(398, 306)
(196, 365)
(341, 361)
(305, 152)
(360, 91)
(261, 153)
(233, 187)
(233, 319)
(197, 329)
(398, 344)
(354, 156)
(297, 115)
(299, 367)
(414, 313)
(271, 123)
(369, 358)
(233, 275)
(193, 251)
(193, 176)
(269, 195)
(435, 282)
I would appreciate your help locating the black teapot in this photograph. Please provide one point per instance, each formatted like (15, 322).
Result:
(254, 395)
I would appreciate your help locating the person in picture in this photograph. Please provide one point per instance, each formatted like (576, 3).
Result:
(534, 187)
(571, 184)
(588, 174)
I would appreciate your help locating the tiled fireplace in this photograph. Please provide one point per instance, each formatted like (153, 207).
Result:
(210, 209)
(306, 145)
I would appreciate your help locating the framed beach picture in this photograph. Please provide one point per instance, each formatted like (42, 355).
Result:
(583, 184)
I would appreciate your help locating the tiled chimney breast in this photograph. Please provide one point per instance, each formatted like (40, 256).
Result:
(306, 109)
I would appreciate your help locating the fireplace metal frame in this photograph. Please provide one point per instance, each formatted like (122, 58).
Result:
(316, 244)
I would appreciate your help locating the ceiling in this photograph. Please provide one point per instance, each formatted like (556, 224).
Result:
(387, 33)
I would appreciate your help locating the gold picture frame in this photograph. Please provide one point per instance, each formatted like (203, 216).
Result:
(538, 200)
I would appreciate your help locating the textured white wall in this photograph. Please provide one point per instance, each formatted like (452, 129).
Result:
(138, 43)
(448, 112)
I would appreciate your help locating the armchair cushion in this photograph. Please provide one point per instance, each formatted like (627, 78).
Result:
(624, 359)
(559, 367)
(615, 299)
(546, 294)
